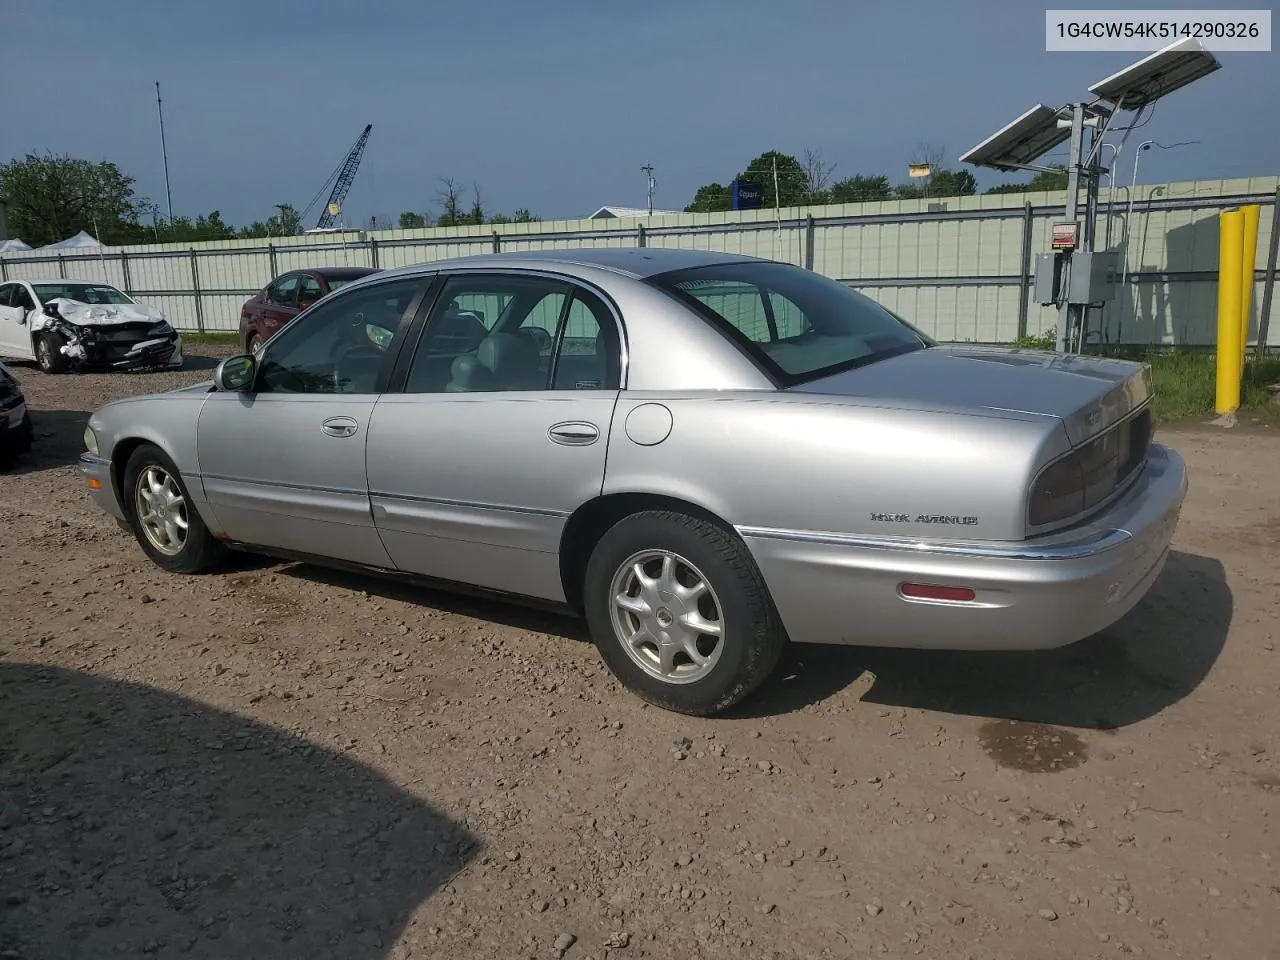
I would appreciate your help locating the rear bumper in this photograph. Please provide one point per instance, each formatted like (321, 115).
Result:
(1032, 595)
(97, 474)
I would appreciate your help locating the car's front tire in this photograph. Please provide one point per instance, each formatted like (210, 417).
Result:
(680, 612)
(162, 517)
(253, 344)
(49, 353)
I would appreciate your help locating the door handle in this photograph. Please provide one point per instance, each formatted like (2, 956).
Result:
(574, 433)
(339, 426)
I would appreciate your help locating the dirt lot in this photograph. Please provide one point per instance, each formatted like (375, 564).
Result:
(279, 761)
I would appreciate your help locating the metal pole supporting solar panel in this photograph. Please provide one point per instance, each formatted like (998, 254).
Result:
(1065, 311)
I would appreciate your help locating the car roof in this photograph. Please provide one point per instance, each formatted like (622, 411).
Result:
(339, 272)
(637, 262)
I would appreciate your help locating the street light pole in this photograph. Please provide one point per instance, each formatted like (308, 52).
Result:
(168, 194)
(1133, 182)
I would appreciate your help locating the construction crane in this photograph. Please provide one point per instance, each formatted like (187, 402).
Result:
(341, 178)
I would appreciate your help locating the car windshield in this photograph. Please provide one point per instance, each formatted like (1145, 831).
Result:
(84, 292)
(796, 324)
(338, 282)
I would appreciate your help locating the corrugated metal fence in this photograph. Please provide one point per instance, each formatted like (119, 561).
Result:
(959, 267)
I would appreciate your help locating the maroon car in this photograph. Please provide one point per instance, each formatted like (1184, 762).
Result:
(288, 295)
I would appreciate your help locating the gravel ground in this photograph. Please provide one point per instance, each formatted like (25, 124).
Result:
(281, 761)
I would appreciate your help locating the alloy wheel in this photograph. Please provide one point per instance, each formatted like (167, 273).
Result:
(161, 510)
(667, 617)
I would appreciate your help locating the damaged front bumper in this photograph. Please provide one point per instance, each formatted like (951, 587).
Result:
(123, 350)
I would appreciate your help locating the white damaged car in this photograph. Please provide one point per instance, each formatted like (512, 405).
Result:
(79, 325)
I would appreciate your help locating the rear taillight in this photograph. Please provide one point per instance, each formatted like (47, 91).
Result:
(1058, 492)
(1090, 473)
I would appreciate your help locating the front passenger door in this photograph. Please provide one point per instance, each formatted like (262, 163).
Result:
(283, 465)
(15, 335)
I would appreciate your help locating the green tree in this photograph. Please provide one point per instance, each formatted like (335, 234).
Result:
(50, 198)
(412, 221)
(525, 215)
(793, 182)
(284, 223)
(796, 184)
(475, 216)
(451, 212)
(941, 183)
(1047, 181)
(860, 188)
(710, 197)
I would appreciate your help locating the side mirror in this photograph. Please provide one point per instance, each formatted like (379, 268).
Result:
(236, 374)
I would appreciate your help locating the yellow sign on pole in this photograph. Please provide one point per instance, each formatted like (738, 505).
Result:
(335, 209)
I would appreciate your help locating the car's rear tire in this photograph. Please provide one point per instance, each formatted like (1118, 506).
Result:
(253, 344)
(162, 517)
(680, 612)
(49, 353)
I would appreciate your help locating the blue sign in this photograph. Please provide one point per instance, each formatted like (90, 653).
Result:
(747, 195)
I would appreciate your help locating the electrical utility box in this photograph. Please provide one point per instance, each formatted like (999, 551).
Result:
(1093, 278)
(1045, 277)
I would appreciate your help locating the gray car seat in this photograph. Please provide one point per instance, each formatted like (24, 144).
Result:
(503, 361)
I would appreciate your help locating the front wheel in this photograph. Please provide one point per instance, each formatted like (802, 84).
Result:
(681, 613)
(49, 353)
(162, 517)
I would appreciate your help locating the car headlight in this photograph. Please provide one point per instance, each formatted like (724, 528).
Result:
(90, 441)
(160, 328)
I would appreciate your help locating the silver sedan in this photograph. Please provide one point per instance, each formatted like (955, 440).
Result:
(704, 454)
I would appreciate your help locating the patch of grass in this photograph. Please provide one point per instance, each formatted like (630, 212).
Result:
(1184, 381)
(219, 339)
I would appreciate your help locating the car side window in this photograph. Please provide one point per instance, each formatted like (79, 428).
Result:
(6, 291)
(536, 333)
(488, 332)
(308, 291)
(341, 347)
(19, 297)
(284, 292)
(588, 355)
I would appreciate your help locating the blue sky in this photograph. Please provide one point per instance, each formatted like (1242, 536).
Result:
(555, 105)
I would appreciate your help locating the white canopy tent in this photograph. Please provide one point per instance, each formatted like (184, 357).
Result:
(80, 241)
(13, 246)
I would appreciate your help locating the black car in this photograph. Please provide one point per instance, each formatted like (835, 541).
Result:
(15, 422)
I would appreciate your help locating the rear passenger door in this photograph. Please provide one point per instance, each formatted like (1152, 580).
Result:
(494, 430)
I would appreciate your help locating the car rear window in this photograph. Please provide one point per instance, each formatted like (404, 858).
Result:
(796, 324)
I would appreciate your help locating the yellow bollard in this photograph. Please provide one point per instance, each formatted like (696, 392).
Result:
(1248, 253)
(1230, 248)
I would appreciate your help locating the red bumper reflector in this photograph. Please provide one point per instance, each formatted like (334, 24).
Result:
(926, 591)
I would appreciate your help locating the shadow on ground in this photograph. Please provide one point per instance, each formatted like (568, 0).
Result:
(58, 441)
(1157, 655)
(517, 616)
(134, 822)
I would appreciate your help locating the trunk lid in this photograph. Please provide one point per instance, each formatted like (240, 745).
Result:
(1088, 394)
